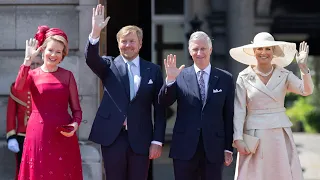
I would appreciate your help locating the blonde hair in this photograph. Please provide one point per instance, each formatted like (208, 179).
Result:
(60, 39)
(130, 29)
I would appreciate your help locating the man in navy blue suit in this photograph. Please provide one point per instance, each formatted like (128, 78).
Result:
(202, 134)
(123, 124)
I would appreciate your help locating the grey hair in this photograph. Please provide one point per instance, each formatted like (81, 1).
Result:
(200, 35)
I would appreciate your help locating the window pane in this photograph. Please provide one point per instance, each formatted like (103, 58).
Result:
(169, 7)
(173, 33)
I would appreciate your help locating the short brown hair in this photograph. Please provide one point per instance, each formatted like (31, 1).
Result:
(130, 29)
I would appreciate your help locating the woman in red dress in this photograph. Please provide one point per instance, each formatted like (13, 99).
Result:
(51, 151)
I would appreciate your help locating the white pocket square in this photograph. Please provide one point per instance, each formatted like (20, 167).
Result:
(216, 90)
(150, 81)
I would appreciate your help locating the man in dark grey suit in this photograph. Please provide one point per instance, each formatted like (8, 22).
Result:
(202, 135)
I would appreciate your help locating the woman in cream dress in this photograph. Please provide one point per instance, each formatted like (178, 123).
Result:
(259, 107)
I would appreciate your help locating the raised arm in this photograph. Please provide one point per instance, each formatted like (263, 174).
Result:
(96, 63)
(305, 86)
(23, 79)
(167, 95)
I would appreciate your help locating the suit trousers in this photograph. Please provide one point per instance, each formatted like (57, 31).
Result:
(121, 163)
(198, 167)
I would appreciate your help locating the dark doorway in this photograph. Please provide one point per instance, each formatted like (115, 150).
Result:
(297, 17)
(133, 12)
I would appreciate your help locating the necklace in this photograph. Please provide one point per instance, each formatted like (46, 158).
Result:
(264, 74)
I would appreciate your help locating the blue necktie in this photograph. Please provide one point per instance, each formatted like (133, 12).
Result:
(131, 81)
(202, 87)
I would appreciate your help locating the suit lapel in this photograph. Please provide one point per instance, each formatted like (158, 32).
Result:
(123, 76)
(213, 79)
(192, 82)
(254, 81)
(275, 79)
(144, 74)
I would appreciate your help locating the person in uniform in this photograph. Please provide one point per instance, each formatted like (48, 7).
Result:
(18, 112)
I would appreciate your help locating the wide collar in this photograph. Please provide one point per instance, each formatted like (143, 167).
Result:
(276, 78)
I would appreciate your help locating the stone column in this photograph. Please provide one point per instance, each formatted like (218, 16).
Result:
(201, 9)
(194, 8)
(240, 28)
(218, 26)
(88, 90)
(263, 20)
(88, 81)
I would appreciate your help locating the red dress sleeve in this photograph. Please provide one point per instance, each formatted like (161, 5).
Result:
(23, 79)
(74, 100)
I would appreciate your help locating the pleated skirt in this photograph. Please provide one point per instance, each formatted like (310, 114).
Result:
(276, 157)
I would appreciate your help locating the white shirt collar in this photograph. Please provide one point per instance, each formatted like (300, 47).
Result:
(207, 69)
(135, 61)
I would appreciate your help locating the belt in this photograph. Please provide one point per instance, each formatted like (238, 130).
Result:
(266, 111)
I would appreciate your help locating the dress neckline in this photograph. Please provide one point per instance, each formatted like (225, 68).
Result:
(256, 74)
(48, 71)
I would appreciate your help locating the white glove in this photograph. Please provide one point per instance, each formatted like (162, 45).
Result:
(13, 145)
(302, 55)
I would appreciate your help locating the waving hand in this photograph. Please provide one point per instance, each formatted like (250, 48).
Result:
(98, 21)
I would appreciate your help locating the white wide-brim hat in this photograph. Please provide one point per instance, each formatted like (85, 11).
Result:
(283, 53)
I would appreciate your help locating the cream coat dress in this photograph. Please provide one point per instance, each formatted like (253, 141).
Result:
(259, 111)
